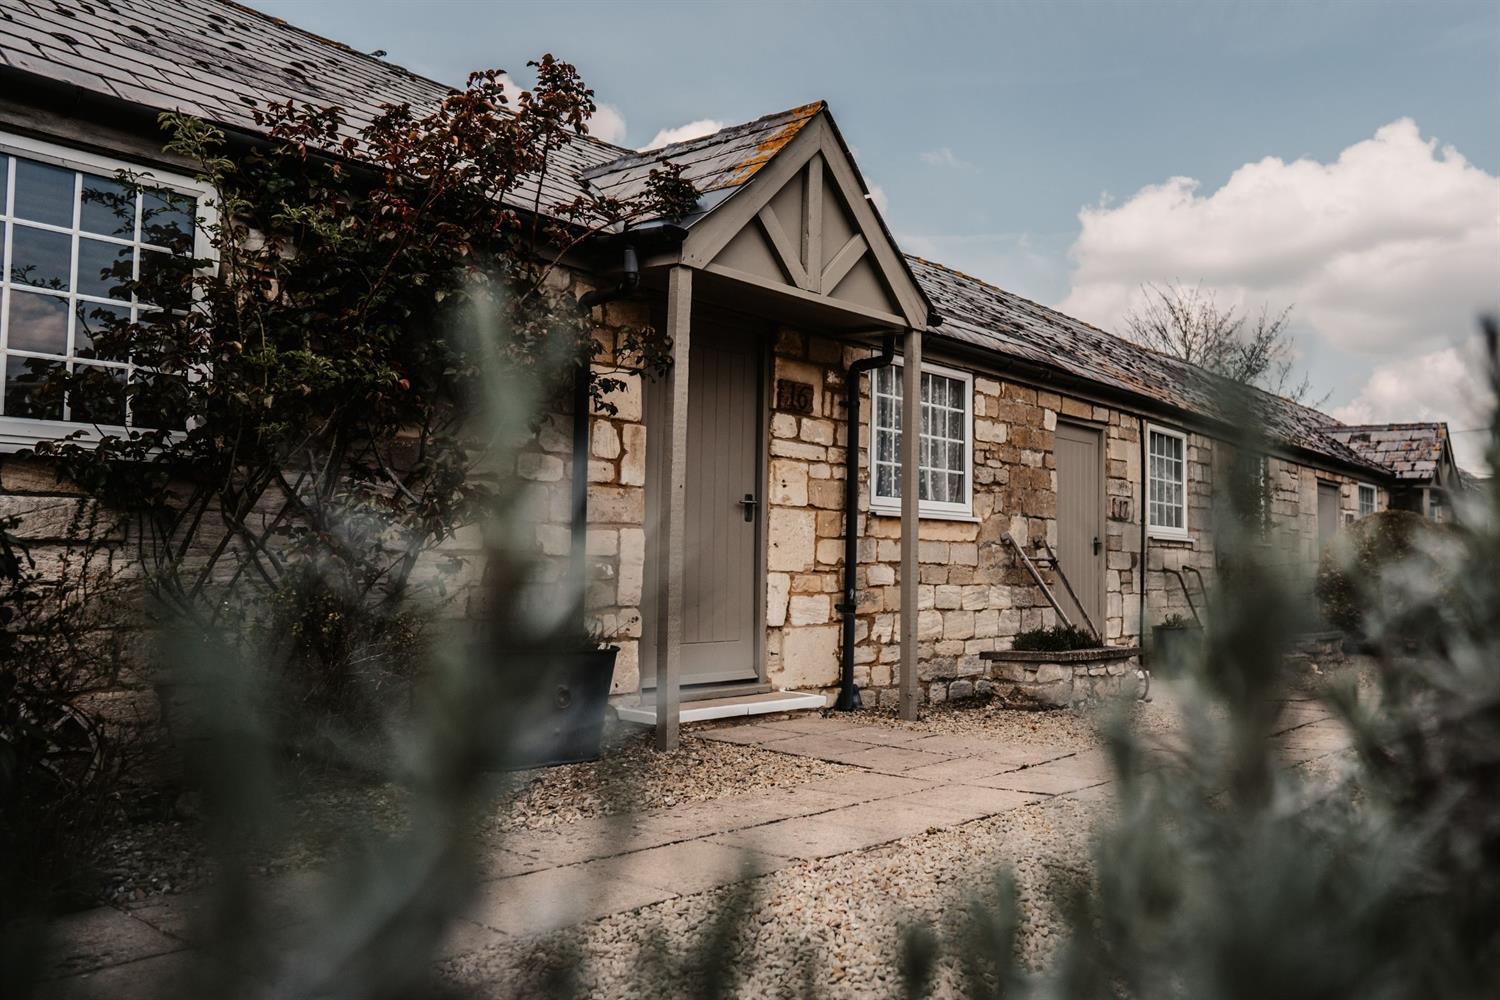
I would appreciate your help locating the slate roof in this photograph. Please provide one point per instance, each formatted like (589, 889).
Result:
(978, 313)
(218, 60)
(716, 164)
(1413, 452)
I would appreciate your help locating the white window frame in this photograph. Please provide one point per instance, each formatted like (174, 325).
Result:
(1152, 528)
(19, 433)
(1359, 503)
(932, 509)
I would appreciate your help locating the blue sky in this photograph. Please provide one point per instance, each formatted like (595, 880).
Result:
(989, 128)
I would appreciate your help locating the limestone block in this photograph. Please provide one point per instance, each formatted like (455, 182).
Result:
(808, 609)
(791, 539)
(958, 625)
(633, 462)
(604, 440)
(817, 431)
(632, 565)
(964, 554)
(778, 589)
(783, 425)
(929, 625)
(1050, 673)
(788, 483)
(626, 399)
(947, 597)
(782, 448)
(809, 655)
(617, 505)
(539, 468)
(830, 551)
(961, 689)
(880, 575)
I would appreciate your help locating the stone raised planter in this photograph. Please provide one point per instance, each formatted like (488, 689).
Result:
(1062, 679)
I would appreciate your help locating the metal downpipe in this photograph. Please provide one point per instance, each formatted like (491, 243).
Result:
(848, 699)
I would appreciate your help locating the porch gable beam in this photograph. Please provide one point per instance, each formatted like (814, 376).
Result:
(843, 261)
(785, 249)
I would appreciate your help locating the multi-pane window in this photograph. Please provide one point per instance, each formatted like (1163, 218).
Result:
(1366, 500)
(79, 245)
(1166, 481)
(943, 449)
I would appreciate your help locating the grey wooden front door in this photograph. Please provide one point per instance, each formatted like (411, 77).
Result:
(721, 565)
(1080, 519)
(1328, 512)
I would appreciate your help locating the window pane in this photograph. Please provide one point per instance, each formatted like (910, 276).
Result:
(44, 193)
(104, 269)
(107, 207)
(167, 220)
(32, 388)
(166, 280)
(38, 322)
(102, 331)
(885, 483)
(40, 257)
(4, 182)
(98, 395)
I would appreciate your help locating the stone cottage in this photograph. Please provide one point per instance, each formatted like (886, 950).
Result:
(725, 529)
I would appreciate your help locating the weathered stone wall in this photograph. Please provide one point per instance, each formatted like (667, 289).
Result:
(973, 595)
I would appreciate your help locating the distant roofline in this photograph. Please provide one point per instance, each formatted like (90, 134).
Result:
(1332, 422)
(1411, 425)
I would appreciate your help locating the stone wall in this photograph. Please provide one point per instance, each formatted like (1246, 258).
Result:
(1058, 679)
(973, 596)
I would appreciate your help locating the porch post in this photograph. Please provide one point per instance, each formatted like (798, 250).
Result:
(671, 510)
(911, 436)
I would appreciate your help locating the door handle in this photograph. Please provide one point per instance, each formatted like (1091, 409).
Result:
(1096, 545)
(749, 506)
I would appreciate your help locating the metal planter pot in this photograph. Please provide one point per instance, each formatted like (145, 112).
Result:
(560, 719)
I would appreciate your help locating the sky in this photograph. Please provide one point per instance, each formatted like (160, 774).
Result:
(1340, 158)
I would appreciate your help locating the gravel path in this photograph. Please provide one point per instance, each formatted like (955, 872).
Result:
(838, 921)
(634, 777)
(155, 846)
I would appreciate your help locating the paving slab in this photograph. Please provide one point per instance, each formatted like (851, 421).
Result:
(807, 837)
(546, 900)
(893, 760)
(902, 816)
(102, 937)
(1040, 779)
(693, 866)
(744, 735)
(958, 769)
(822, 725)
(824, 746)
(970, 801)
(885, 736)
(151, 978)
(865, 786)
(465, 937)
(704, 819)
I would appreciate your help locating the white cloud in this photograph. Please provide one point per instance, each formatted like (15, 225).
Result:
(879, 199)
(945, 157)
(1387, 254)
(608, 124)
(1391, 248)
(1442, 385)
(682, 133)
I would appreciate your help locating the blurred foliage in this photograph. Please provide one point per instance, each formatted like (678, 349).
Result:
(1352, 570)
